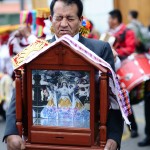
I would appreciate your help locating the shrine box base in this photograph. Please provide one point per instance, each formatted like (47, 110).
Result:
(58, 147)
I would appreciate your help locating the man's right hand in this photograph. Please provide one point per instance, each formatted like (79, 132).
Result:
(15, 142)
(23, 31)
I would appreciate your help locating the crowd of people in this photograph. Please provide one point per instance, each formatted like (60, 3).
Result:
(66, 18)
(132, 38)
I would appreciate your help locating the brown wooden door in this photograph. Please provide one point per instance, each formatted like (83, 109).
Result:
(142, 6)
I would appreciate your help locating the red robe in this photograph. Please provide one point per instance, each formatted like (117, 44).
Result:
(125, 41)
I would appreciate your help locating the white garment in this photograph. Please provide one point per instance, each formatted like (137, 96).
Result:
(5, 61)
(117, 63)
(4, 51)
(46, 29)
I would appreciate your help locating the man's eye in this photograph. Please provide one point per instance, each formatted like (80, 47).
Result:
(59, 18)
(70, 19)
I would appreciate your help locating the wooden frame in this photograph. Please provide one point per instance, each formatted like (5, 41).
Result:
(78, 133)
(51, 138)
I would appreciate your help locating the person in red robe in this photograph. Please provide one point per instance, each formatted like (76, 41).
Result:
(125, 38)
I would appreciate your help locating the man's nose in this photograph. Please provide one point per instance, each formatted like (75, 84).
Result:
(64, 22)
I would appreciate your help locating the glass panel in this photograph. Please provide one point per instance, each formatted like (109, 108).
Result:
(61, 98)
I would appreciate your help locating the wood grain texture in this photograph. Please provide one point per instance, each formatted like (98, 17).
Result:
(63, 57)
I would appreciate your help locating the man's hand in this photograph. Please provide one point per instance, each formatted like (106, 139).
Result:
(14, 142)
(23, 31)
(111, 145)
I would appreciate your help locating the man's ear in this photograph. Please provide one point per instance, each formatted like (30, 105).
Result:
(81, 18)
(50, 18)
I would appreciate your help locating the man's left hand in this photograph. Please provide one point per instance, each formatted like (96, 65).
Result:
(111, 145)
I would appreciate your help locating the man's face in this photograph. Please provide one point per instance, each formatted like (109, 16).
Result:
(112, 22)
(65, 19)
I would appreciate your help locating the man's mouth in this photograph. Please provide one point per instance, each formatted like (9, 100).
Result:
(64, 31)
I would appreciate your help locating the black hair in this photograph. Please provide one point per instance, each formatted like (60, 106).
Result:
(116, 13)
(68, 2)
(141, 48)
(134, 14)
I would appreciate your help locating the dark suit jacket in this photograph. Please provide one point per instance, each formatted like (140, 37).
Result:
(115, 121)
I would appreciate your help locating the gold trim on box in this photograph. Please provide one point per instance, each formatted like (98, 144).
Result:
(25, 53)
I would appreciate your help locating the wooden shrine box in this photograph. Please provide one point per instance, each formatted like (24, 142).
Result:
(58, 103)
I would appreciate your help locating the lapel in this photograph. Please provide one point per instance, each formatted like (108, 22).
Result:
(82, 39)
(51, 40)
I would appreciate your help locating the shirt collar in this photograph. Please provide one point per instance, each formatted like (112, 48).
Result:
(76, 37)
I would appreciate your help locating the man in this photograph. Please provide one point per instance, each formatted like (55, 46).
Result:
(66, 17)
(143, 38)
(26, 34)
(146, 140)
(134, 24)
(125, 38)
(141, 32)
